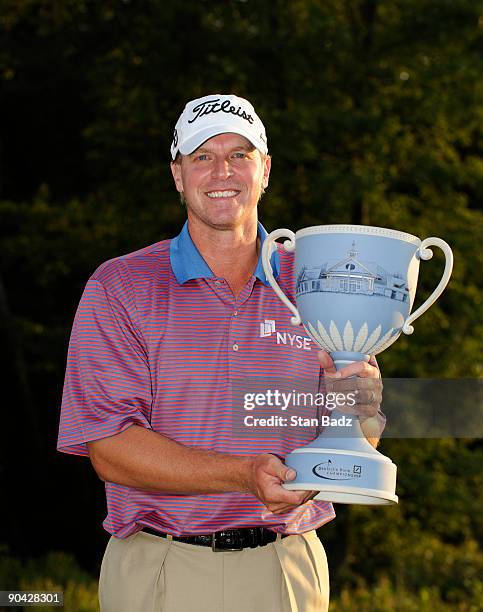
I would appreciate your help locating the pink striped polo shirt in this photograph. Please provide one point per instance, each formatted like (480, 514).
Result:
(157, 341)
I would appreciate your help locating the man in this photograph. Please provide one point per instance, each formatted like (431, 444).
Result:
(198, 516)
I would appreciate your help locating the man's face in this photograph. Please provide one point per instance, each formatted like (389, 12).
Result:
(222, 181)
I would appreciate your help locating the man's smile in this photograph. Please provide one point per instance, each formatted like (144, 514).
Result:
(228, 193)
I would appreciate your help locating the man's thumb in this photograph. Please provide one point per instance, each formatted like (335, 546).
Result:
(290, 474)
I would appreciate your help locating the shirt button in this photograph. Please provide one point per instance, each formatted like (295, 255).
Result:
(218, 282)
(235, 347)
(235, 313)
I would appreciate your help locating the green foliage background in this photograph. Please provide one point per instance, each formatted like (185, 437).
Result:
(374, 115)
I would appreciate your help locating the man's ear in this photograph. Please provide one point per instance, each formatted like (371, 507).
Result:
(176, 172)
(267, 164)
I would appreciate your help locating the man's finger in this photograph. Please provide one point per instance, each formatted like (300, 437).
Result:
(282, 497)
(366, 411)
(310, 495)
(368, 397)
(326, 362)
(371, 427)
(361, 369)
(275, 467)
(285, 473)
(279, 508)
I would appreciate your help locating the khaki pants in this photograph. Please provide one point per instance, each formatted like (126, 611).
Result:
(146, 573)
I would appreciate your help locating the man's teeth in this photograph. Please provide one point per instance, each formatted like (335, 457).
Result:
(221, 194)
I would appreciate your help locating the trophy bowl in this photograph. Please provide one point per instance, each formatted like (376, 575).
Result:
(354, 288)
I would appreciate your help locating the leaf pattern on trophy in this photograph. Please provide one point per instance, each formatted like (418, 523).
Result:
(385, 341)
(335, 335)
(326, 337)
(373, 338)
(326, 341)
(361, 338)
(348, 336)
(315, 336)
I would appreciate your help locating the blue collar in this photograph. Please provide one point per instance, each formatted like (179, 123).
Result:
(187, 262)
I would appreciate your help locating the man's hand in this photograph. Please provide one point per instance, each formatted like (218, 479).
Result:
(365, 382)
(266, 475)
(360, 378)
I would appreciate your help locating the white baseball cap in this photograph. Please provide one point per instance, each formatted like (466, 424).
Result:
(209, 116)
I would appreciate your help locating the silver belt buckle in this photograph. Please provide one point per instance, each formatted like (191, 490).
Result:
(215, 549)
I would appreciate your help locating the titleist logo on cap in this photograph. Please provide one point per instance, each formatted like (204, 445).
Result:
(214, 106)
(207, 117)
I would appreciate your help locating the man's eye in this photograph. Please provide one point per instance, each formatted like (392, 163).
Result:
(239, 155)
(202, 157)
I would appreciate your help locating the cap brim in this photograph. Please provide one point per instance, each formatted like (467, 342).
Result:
(196, 140)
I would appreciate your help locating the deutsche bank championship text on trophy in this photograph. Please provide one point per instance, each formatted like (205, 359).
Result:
(354, 289)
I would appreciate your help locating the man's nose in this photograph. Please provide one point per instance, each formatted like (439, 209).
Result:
(221, 168)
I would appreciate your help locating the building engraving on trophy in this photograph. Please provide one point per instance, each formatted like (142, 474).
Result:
(350, 275)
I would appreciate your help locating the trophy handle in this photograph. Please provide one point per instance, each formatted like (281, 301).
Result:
(425, 253)
(267, 250)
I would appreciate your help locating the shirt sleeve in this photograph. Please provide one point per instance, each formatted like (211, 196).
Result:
(107, 384)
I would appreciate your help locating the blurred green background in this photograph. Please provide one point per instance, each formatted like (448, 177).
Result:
(374, 112)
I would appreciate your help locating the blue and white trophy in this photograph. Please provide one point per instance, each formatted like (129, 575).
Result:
(355, 286)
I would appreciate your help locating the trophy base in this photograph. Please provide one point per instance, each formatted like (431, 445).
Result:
(344, 476)
(366, 497)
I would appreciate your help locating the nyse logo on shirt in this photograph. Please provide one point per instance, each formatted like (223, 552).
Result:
(268, 327)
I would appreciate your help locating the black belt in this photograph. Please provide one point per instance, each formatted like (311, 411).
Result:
(229, 539)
